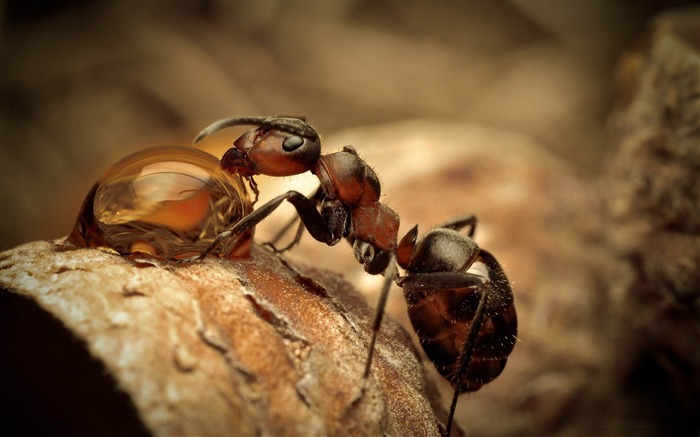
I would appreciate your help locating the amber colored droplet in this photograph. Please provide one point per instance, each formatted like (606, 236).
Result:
(168, 201)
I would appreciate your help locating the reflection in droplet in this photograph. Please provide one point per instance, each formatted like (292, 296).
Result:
(166, 201)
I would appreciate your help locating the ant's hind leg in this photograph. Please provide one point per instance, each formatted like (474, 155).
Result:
(465, 356)
(433, 281)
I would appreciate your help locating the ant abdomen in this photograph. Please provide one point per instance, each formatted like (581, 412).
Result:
(443, 318)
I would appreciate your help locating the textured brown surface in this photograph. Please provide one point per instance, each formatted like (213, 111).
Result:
(654, 204)
(238, 347)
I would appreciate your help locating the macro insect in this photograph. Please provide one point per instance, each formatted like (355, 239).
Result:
(459, 300)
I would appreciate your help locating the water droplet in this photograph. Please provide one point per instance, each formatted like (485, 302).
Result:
(168, 201)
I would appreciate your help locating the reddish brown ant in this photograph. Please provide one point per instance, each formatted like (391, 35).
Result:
(466, 320)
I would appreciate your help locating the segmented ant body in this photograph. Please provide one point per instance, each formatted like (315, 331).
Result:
(459, 300)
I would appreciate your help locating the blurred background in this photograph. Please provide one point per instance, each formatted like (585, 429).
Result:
(500, 108)
(85, 82)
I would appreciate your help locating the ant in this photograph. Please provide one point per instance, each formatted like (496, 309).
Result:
(465, 318)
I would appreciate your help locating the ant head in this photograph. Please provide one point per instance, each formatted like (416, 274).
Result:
(278, 146)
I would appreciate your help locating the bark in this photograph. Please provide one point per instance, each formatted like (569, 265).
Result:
(654, 204)
(256, 346)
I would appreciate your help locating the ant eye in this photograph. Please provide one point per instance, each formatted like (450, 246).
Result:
(292, 143)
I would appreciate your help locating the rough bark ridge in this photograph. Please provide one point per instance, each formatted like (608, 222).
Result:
(250, 347)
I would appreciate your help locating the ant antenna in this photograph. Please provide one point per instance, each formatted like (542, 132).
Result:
(279, 122)
(227, 122)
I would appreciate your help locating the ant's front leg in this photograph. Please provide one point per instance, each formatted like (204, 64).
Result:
(305, 207)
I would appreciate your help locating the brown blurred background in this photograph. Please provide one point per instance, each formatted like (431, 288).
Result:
(85, 82)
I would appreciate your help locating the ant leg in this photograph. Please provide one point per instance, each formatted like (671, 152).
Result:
(305, 208)
(317, 199)
(297, 235)
(433, 281)
(466, 355)
(282, 231)
(389, 276)
(495, 298)
(461, 222)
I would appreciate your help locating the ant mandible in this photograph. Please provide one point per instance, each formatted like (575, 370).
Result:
(466, 320)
